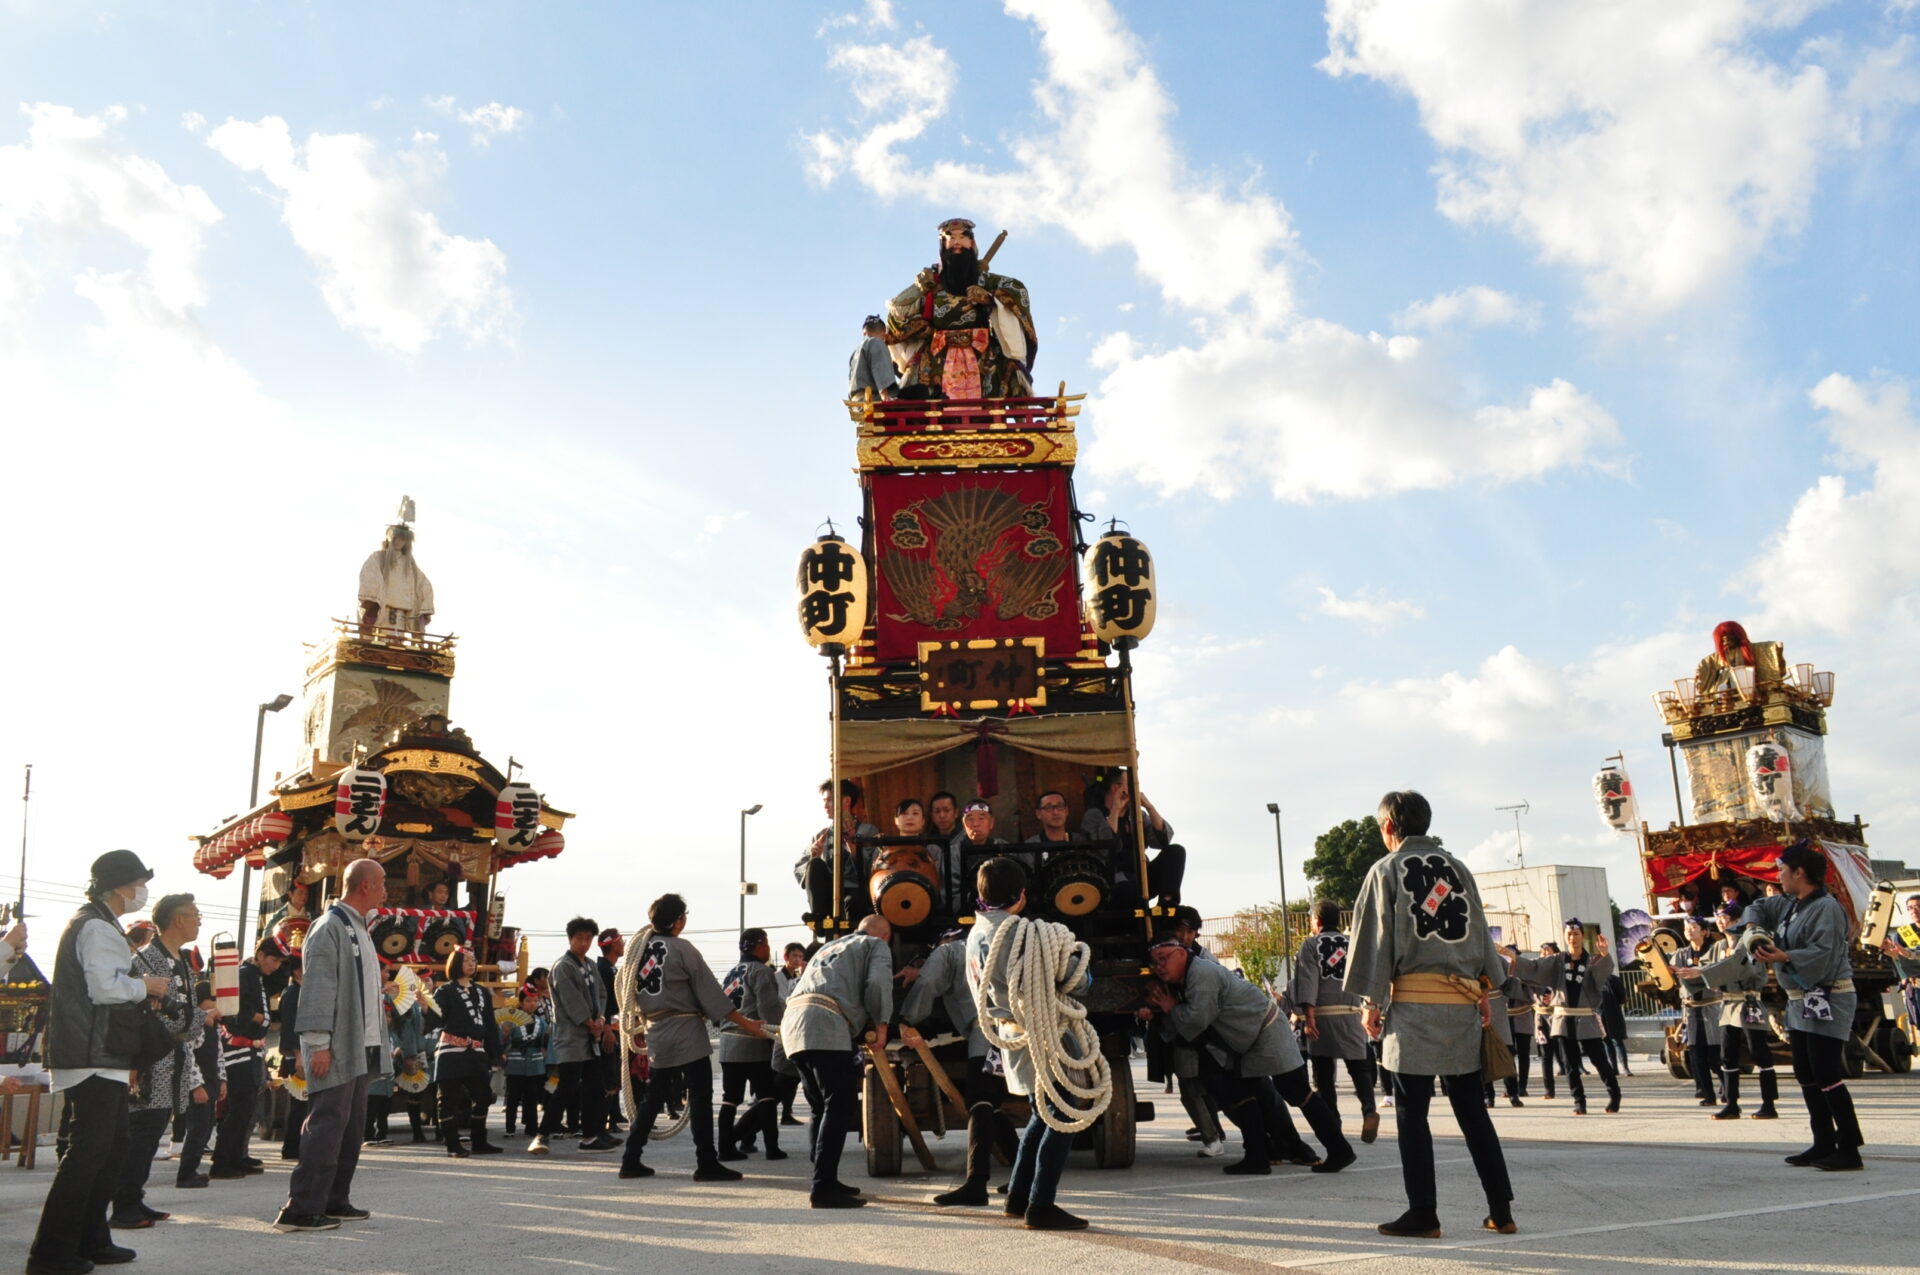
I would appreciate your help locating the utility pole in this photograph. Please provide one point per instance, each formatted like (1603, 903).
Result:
(746, 887)
(26, 799)
(1519, 845)
(1280, 848)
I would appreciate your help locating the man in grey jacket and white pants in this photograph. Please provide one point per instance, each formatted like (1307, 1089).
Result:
(342, 1026)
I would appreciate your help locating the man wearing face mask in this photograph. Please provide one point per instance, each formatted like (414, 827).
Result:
(91, 1058)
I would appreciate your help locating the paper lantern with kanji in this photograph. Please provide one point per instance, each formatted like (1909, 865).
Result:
(1120, 589)
(1770, 773)
(359, 800)
(832, 582)
(1614, 792)
(516, 818)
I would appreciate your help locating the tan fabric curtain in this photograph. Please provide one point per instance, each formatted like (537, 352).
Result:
(1091, 739)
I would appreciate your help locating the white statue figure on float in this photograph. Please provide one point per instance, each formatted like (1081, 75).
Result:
(394, 592)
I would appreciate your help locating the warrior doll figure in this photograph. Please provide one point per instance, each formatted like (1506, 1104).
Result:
(960, 331)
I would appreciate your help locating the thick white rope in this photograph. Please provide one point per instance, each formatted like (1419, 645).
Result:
(626, 994)
(1042, 960)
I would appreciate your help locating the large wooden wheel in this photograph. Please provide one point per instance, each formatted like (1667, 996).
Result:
(1113, 1134)
(879, 1128)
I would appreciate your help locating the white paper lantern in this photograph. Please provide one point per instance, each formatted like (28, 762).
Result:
(1119, 588)
(832, 582)
(516, 817)
(359, 800)
(1770, 773)
(1614, 792)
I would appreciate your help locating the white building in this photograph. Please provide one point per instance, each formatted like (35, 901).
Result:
(1529, 905)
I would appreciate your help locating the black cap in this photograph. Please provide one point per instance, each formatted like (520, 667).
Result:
(117, 868)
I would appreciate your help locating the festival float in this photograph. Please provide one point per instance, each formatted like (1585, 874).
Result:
(1751, 731)
(384, 774)
(976, 644)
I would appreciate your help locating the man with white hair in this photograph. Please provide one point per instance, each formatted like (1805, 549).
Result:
(343, 1045)
(394, 592)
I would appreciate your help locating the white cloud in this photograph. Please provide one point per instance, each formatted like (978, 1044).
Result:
(487, 122)
(1304, 406)
(1320, 411)
(193, 121)
(1476, 306)
(1510, 696)
(1845, 555)
(387, 269)
(1654, 147)
(1374, 612)
(1106, 171)
(70, 179)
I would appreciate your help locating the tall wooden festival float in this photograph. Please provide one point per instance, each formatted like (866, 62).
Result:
(384, 774)
(1750, 730)
(976, 644)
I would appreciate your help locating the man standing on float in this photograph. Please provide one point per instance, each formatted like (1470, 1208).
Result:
(959, 331)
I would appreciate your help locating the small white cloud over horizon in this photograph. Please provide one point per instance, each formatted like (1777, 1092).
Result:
(386, 268)
(1477, 306)
(1368, 609)
(486, 122)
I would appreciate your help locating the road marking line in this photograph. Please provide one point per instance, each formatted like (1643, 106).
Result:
(1526, 1237)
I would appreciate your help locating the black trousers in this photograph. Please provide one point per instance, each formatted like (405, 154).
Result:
(199, 1130)
(697, 1077)
(73, 1221)
(579, 1082)
(1570, 1051)
(290, 1139)
(1359, 1070)
(463, 1100)
(145, 1128)
(830, 1072)
(1821, 1073)
(789, 1087)
(524, 1095)
(236, 1127)
(820, 891)
(1412, 1096)
(1522, 1060)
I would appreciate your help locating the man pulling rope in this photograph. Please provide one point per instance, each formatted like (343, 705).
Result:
(1026, 977)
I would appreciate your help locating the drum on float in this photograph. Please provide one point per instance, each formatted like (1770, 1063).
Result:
(1077, 883)
(901, 884)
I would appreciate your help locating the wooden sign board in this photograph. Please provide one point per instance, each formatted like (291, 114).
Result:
(981, 673)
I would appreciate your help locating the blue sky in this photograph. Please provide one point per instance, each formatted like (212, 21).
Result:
(1463, 364)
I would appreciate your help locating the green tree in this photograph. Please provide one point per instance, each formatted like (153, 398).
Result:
(1341, 857)
(1254, 939)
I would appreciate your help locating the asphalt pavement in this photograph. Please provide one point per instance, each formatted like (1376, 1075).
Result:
(1658, 1185)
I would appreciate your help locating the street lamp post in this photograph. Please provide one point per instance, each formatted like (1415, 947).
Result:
(1280, 847)
(273, 705)
(746, 887)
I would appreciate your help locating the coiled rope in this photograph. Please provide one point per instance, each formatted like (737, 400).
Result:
(626, 994)
(1042, 960)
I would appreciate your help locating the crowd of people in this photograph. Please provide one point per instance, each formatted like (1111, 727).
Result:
(138, 1044)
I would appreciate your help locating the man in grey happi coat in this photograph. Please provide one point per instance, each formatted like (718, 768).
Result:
(1700, 1009)
(579, 999)
(846, 989)
(1334, 1029)
(1805, 934)
(1744, 1030)
(342, 1021)
(747, 1059)
(678, 996)
(1243, 1029)
(1420, 947)
(1575, 979)
(942, 981)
